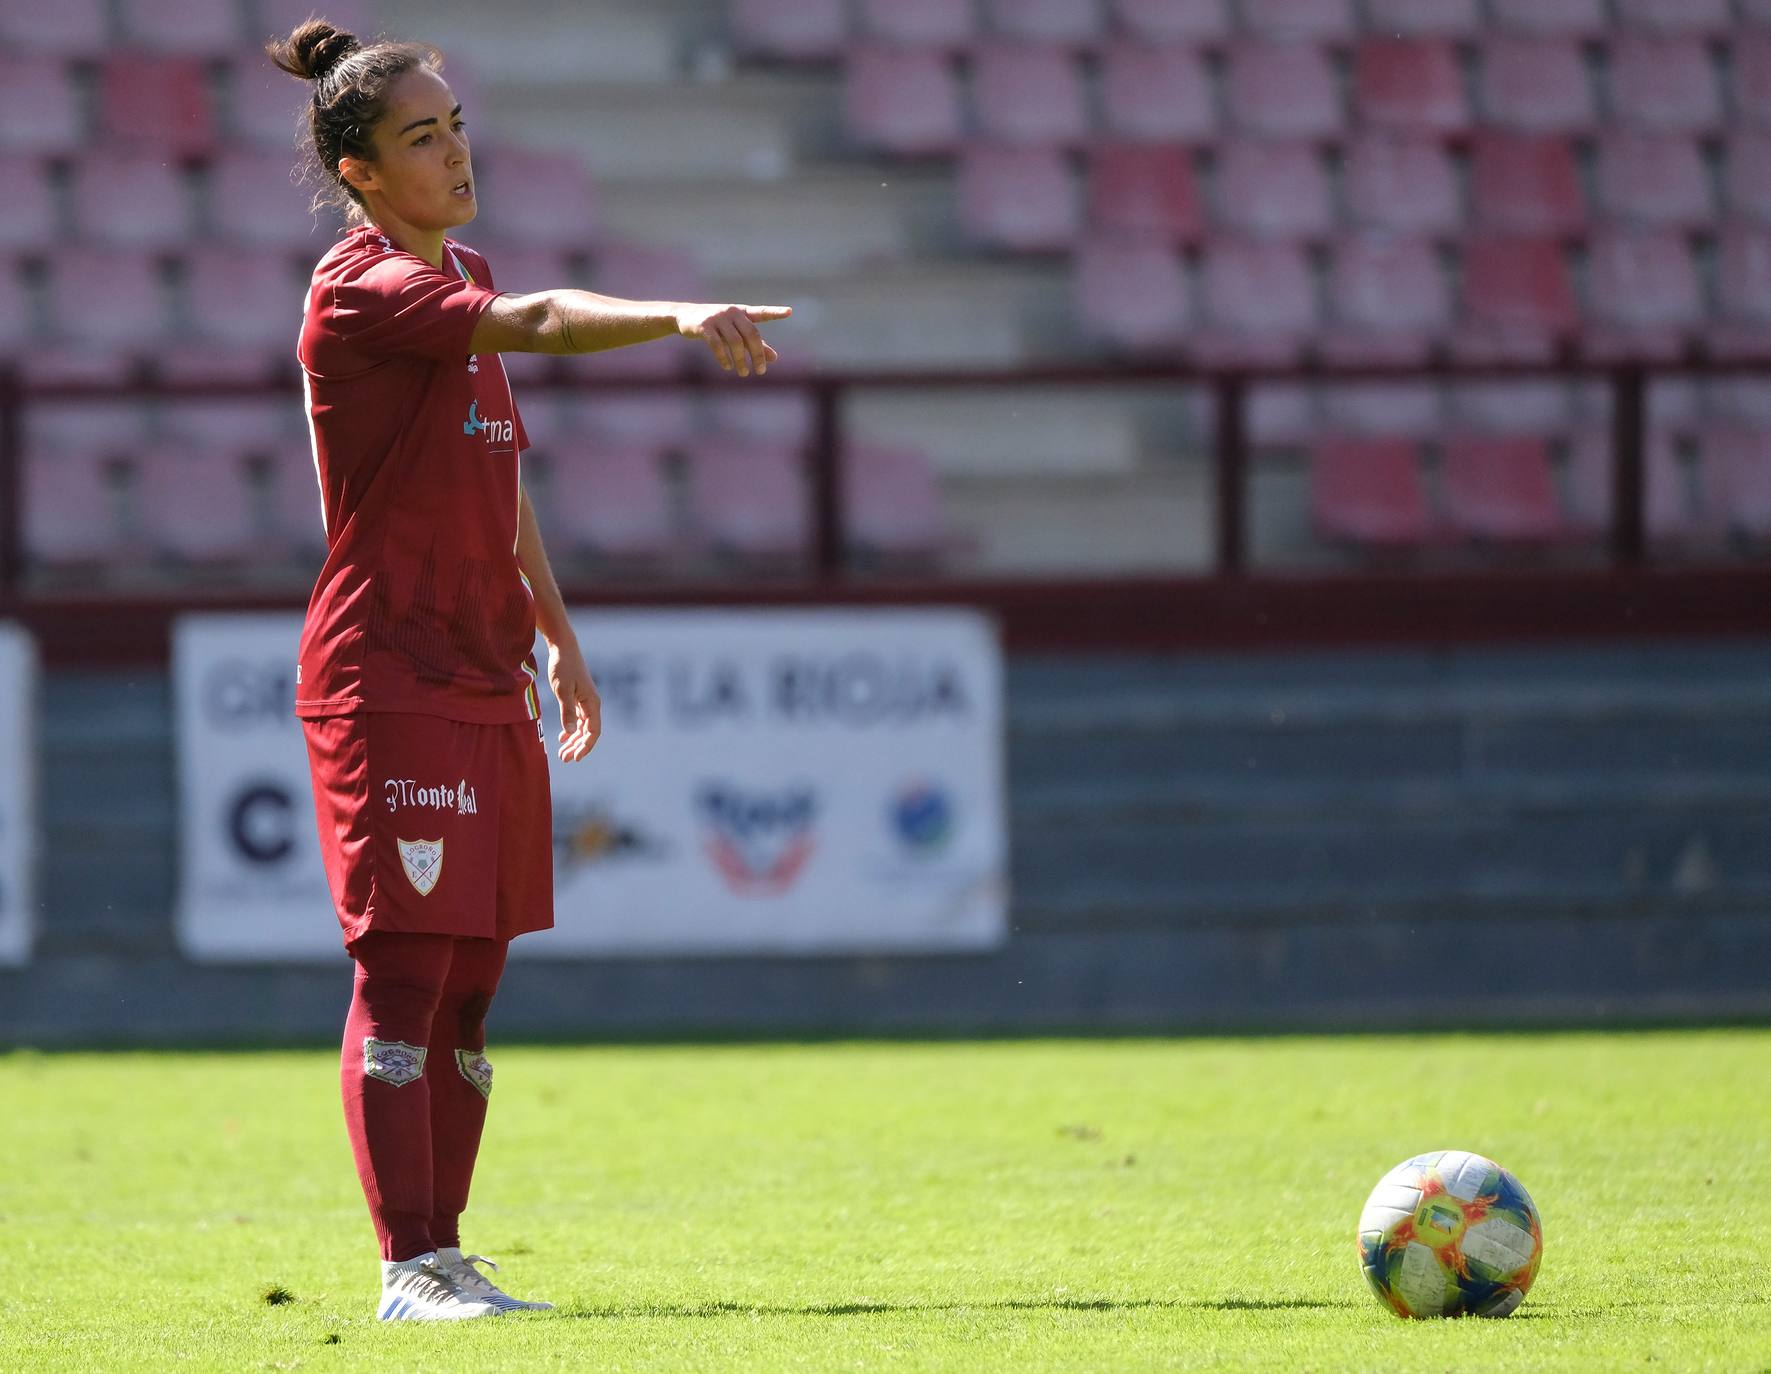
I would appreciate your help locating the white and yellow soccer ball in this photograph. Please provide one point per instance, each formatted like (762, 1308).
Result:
(1447, 1234)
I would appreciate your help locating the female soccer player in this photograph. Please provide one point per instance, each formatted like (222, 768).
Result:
(415, 683)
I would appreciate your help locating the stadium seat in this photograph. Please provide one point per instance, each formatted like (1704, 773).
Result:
(280, 16)
(111, 298)
(1526, 184)
(1513, 406)
(1536, 85)
(1403, 185)
(1736, 465)
(778, 415)
(1315, 21)
(1280, 414)
(28, 218)
(525, 266)
(157, 102)
(228, 423)
(647, 419)
(242, 298)
(1022, 199)
(644, 272)
(1665, 85)
(1518, 300)
(1144, 191)
(1370, 491)
(1700, 18)
(1074, 23)
(1283, 90)
(1410, 84)
(945, 24)
(254, 198)
(1674, 403)
(1544, 18)
(199, 28)
(1260, 303)
(749, 498)
(1410, 410)
(611, 500)
(1752, 78)
(15, 309)
(64, 28)
(800, 30)
(39, 111)
(1738, 401)
(1028, 96)
(265, 106)
(1157, 92)
(71, 512)
(1655, 181)
(1667, 512)
(1174, 21)
(536, 197)
(195, 505)
(1747, 175)
(1501, 488)
(1423, 18)
(1273, 190)
(293, 499)
(1742, 326)
(1132, 296)
(903, 101)
(131, 199)
(1643, 297)
(1388, 301)
(892, 502)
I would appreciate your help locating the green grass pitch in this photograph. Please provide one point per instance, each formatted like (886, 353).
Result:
(1111, 1205)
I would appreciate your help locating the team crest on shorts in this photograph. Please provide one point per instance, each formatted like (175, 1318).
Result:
(423, 862)
(476, 1069)
(393, 1061)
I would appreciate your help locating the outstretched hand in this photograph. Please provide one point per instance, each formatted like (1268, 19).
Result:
(730, 331)
(581, 708)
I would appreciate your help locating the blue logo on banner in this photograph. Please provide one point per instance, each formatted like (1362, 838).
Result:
(922, 815)
(759, 841)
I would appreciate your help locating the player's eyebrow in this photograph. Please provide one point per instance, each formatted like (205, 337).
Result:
(432, 119)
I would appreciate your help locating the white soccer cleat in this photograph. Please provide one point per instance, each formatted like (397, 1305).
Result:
(421, 1290)
(460, 1269)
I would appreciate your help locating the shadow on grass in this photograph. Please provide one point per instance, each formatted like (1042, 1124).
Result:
(859, 1309)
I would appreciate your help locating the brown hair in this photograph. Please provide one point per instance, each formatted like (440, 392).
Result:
(350, 83)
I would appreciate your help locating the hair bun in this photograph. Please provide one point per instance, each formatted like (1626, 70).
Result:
(312, 50)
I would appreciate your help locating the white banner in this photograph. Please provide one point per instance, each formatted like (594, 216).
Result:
(768, 782)
(18, 794)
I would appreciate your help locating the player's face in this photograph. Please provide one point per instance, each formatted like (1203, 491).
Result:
(423, 169)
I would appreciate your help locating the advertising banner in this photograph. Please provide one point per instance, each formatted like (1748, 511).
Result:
(787, 782)
(18, 794)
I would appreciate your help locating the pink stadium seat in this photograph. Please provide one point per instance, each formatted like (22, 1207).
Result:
(1743, 290)
(645, 273)
(294, 498)
(1501, 488)
(778, 416)
(892, 501)
(1642, 294)
(1018, 198)
(159, 102)
(1281, 414)
(265, 106)
(64, 28)
(27, 214)
(236, 424)
(1674, 403)
(39, 113)
(15, 309)
(1666, 502)
(1538, 18)
(1536, 85)
(1132, 296)
(1076, 23)
(1654, 180)
(135, 200)
(647, 419)
(1370, 491)
(1752, 77)
(1526, 184)
(254, 198)
(1756, 12)
(1737, 476)
(1146, 192)
(1388, 301)
(525, 266)
(903, 101)
(1747, 180)
(1028, 96)
(87, 425)
(203, 28)
(536, 197)
(71, 512)
(1273, 190)
(280, 16)
(195, 505)
(1513, 406)
(243, 298)
(802, 30)
(1174, 21)
(1283, 90)
(1159, 92)
(1701, 18)
(1316, 21)
(1403, 185)
(1423, 18)
(1260, 303)
(748, 497)
(1411, 410)
(1740, 401)
(1519, 302)
(946, 24)
(612, 500)
(1410, 84)
(110, 298)
(1665, 85)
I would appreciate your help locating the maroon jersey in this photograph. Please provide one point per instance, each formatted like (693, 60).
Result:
(421, 605)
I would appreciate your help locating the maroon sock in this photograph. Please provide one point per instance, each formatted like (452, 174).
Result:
(463, 1081)
(386, 1073)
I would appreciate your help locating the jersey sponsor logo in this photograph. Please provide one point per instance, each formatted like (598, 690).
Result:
(460, 799)
(496, 431)
(476, 1069)
(393, 1061)
(423, 862)
(759, 841)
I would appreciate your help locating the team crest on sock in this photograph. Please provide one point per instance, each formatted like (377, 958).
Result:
(423, 862)
(393, 1061)
(476, 1069)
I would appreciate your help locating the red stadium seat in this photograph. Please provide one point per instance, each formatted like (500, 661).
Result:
(1028, 96)
(1700, 18)
(612, 500)
(1423, 18)
(62, 28)
(1657, 181)
(254, 198)
(1159, 92)
(28, 218)
(202, 28)
(1411, 410)
(1370, 491)
(1667, 512)
(195, 505)
(1510, 406)
(1410, 84)
(1541, 18)
(1526, 184)
(1748, 176)
(749, 498)
(1403, 185)
(1535, 85)
(536, 197)
(1145, 191)
(1076, 23)
(1018, 198)
(1752, 78)
(1283, 90)
(1519, 302)
(1665, 85)
(1643, 295)
(892, 501)
(266, 106)
(1388, 301)
(644, 272)
(135, 200)
(110, 298)
(1501, 488)
(946, 24)
(1737, 477)
(39, 111)
(72, 513)
(1260, 303)
(1174, 21)
(157, 102)
(1132, 296)
(801, 30)
(903, 101)
(243, 298)
(1317, 21)
(1273, 190)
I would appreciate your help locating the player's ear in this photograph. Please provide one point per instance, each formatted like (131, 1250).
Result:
(358, 173)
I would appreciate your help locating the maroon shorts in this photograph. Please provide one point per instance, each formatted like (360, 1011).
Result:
(433, 826)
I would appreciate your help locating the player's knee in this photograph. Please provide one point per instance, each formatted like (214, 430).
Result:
(472, 1017)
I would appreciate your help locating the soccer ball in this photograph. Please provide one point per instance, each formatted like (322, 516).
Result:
(1449, 1233)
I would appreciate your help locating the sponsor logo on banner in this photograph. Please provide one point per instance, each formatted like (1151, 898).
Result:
(922, 818)
(260, 821)
(423, 862)
(593, 833)
(759, 841)
(460, 799)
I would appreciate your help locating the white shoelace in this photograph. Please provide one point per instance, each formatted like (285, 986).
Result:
(431, 1283)
(473, 1281)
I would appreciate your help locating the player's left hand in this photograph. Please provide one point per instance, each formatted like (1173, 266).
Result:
(581, 708)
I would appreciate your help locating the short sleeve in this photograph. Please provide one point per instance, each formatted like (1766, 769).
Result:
(401, 305)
